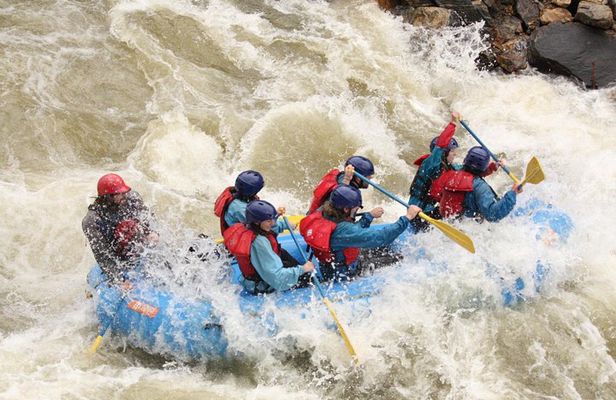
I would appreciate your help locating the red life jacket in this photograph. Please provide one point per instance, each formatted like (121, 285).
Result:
(128, 234)
(317, 230)
(222, 204)
(328, 183)
(238, 239)
(456, 184)
(438, 185)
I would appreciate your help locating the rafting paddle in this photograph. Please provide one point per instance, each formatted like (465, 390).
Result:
(328, 303)
(103, 329)
(533, 169)
(534, 172)
(138, 306)
(452, 233)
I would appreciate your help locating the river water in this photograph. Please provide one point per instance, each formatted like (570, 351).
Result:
(179, 96)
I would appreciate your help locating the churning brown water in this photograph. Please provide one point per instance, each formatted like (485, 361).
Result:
(178, 96)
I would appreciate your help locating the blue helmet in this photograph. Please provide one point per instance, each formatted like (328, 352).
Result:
(248, 183)
(361, 164)
(258, 211)
(477, 159)
(453, 144)
(345, 196)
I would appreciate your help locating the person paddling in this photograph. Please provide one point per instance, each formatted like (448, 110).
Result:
(117, 226)
(336, 177)
(230, 206)
(337, 239)
(443, 150)
(265, 265)
(466, 193)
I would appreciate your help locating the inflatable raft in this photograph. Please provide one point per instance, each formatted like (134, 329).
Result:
(160, 322)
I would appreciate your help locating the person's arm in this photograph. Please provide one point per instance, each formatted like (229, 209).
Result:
(492, 167)
(445, 137)
(236, 212)
(269, 265)
(488, 203)
(104, 252)
(348, 234)
(347, 177)
(279, 226)
(365, 220)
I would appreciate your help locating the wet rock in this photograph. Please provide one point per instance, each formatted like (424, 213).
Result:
(570, 50)
(469, 10)
(561, 3)
(493, 6)
(549, 15)
(486, 61)
(592, 14)
(432, 17)
(528, 11)
(612, 4)
(513, 56)
(506, 28)
(387, 5)
(396, 7)
(421, 3)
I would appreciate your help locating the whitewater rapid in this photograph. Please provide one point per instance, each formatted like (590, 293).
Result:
(178, 96)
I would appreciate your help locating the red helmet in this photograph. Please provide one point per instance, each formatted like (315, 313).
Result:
(111, 184)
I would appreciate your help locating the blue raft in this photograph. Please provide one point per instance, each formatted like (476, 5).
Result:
(160, 322)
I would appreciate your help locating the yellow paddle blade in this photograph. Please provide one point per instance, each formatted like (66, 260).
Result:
(295, 219)
(452, 233)
(345, 338)
(96, 344)
(534, 172)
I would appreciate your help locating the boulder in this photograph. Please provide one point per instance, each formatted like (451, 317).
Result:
(387, 4)
(469, 10)
(506, 28)
(431, 17)
(513, 56)
(420, 3)
(600, 2)
(571, 49)
(549, 15)
(561, 3)
(612, 4)
(528, 11)
(592, 14)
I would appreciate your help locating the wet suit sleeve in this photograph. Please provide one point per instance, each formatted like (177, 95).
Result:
(445, 137)
(488, 203)
(279, 226)
(430, 168)
(236, 212)
(366, 220)
(492, 167)
(101, 248)
(348, 234)
(269, 265)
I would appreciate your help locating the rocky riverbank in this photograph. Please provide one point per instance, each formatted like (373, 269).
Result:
(574, 38)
